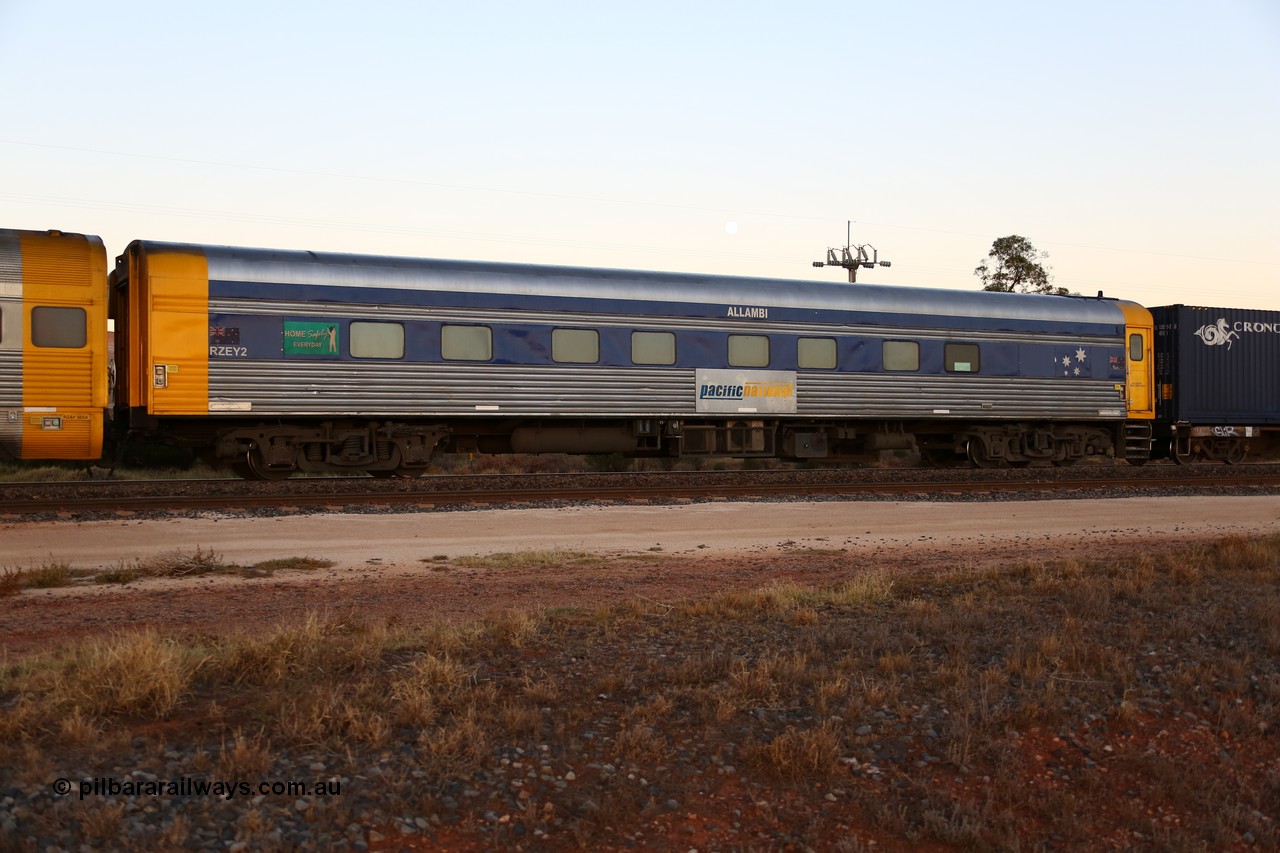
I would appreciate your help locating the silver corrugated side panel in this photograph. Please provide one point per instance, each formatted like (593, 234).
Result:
(436, 390)
(10, 343)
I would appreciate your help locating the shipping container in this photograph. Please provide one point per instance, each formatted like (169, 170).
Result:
(1218, 380)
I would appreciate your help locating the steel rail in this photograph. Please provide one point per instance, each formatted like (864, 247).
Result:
(124, 498)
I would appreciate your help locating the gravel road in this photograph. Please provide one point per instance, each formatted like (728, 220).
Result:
(402, 539)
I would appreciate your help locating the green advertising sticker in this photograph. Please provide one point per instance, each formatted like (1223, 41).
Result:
(310, 339)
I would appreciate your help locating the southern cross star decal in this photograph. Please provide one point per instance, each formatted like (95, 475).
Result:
(1074, 366)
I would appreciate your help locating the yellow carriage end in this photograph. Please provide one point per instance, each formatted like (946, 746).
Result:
(167, 333)
(1139, 361)
(63, 283)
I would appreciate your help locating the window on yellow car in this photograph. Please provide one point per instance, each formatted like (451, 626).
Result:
(58, 327)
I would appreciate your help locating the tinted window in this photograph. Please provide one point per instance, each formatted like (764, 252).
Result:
(901, 355)
(466, 343)
(961, 358)
(377, 340)
(575, 346)
(653, 347)
(64, 328)
(816, 353)
(1135, 348)
(748, 351)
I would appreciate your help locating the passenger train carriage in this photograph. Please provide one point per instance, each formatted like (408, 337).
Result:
(53, 345)
(277, 361)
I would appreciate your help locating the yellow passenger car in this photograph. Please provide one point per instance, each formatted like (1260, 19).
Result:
(53, 345)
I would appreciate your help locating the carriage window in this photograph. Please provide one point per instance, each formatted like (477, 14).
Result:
(575, 346)
(653, 348)
(748, 351)
(466, 343)
(961, 358)
(63, 328)
(377, 340)
(1135, 348)
(816, 353)
(901, 355)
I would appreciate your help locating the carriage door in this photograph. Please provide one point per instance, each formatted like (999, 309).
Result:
(1139, 361)
(1138, 371)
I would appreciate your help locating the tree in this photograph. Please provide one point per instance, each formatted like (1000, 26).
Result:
(1013, 266)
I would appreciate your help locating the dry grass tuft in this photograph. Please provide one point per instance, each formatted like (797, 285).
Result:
(179, 563)
(170, 564)
(642, 744)
(513, 628)
(529, 560)
(319, 644)
(140, 674)
(11, 581)
(245, 757)
(459, 746)
(798, 753)
(46, 575)
(292, 564)
(1240, 553)
(873, 587)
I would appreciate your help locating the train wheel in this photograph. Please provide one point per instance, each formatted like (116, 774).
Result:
(257, 470)
(1236, 453)
(1182, 458)
(973, 450)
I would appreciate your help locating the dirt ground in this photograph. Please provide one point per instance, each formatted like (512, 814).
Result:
(390, 565)
(1071, 767)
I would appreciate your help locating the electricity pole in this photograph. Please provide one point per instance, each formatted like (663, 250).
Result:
(852, 257)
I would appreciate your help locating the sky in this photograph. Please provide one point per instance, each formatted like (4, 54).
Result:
(1136, 142)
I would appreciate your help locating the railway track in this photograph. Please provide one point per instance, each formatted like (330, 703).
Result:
(121, 497)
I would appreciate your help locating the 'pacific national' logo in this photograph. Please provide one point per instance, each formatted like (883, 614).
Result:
(1217, 335)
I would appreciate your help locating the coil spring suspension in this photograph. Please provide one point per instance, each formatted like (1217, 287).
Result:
(353, 446)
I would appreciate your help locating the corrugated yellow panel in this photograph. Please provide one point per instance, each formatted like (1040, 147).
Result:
(1139, 372)
(176, 288)
(64, 387)
(62, 435)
